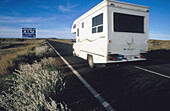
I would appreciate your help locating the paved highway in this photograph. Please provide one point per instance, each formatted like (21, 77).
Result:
(141, 86)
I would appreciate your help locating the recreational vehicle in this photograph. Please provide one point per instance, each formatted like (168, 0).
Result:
(112, 32)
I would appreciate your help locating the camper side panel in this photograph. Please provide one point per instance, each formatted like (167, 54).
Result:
(92, 38)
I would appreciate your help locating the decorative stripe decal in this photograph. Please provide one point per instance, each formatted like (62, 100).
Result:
(88, 40)
(93, 53)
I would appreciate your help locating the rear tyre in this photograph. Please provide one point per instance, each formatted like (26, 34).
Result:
(90, 61)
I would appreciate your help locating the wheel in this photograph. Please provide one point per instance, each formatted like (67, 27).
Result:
(90, 61)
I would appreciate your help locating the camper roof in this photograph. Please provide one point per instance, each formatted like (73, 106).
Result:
(114, 1)
(117, 4)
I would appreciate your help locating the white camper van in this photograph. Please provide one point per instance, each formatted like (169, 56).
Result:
(112, 32)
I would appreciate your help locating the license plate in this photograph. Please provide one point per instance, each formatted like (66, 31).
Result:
(129, 57)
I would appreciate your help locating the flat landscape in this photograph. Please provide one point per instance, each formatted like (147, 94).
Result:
(134, 86)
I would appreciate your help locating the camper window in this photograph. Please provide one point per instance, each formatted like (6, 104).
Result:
(97, 23)
(77, 32)
(100, 29)
(74, 26)
(98, 20)
(128, 23)
(83, 25)
(94, 30)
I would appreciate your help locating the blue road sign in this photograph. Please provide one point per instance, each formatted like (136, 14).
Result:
(29, 32)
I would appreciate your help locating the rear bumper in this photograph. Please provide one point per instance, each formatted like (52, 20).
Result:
(117, 58)
(125, 60)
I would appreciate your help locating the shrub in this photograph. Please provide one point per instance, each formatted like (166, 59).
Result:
(49, 64)
(41, 51)
(34, 88)
(51, 51)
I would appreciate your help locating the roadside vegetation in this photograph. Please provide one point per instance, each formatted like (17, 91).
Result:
(14, 51)
(35, 88)
(29, 77)
(159, 45)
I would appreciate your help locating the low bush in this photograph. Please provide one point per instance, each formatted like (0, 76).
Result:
(41, 51)
(34, 88)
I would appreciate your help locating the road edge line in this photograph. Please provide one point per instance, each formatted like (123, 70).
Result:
(156, 73)
(104, 103)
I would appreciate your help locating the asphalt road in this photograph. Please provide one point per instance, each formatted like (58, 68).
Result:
(125, 87)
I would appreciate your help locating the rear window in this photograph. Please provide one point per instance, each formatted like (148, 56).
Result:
(128, 23)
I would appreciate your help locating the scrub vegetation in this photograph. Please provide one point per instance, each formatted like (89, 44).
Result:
(159, 45)
(34, 88)
(41, 51)
(30, 78)
(13, 51)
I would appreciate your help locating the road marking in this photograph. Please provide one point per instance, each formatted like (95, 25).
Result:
(104, 103)
(152, 72)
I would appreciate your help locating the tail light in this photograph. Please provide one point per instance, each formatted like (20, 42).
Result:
(143, 55)
(112, 59)
(115, 57)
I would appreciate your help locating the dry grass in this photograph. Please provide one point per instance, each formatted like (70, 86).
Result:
(10, 51)
(159, 45)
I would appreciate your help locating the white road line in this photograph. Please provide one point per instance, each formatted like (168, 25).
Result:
(152, 72)
(104, 103)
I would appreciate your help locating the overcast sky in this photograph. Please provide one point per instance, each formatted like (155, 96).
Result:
(54, 18)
